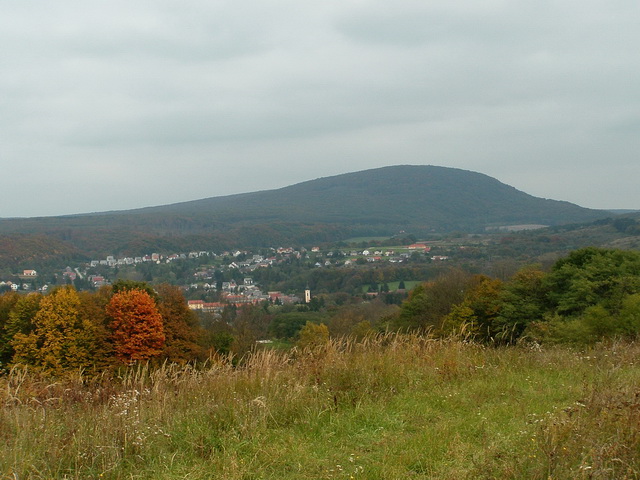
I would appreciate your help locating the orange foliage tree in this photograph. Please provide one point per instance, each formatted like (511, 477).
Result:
(136, 324)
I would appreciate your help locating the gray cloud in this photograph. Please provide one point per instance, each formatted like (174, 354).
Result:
(131, 104)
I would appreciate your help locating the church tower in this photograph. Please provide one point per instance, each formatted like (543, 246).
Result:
(307, 295)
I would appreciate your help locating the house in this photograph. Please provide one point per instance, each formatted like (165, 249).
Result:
(195, 304)
(228, 286)
(97, 280)
(69, 274)
(213, 307)
(29, 273)
(419, 246)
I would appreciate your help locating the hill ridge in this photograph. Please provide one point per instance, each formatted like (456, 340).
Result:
(418, 198)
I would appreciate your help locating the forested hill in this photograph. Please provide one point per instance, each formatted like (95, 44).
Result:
(383, 201)
(417, 197)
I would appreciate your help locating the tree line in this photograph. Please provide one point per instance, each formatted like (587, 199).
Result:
(69, 330)
(590, 294)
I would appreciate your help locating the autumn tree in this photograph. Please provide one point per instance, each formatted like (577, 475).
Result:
(62, 339)
(180, 325)
(313, 335)
(8, 302)
(93, 310)
(136, 325)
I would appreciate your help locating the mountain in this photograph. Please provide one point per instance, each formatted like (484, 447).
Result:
(381, 201)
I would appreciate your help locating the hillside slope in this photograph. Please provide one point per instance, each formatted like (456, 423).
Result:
(417, 199)
(421, 196)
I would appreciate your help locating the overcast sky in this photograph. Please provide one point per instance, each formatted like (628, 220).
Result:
(108, 105)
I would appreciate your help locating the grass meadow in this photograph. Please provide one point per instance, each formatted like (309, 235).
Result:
(389, 407)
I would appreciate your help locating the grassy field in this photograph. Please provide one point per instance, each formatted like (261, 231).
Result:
(392, 407)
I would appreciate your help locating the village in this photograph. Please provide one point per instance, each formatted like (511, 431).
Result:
(206, 267)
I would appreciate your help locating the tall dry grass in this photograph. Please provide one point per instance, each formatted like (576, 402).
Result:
(389, 406)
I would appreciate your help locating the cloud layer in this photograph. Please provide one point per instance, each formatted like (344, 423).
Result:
(115, 105)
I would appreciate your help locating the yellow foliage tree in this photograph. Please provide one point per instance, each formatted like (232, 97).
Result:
(313, 335)
(61, 339)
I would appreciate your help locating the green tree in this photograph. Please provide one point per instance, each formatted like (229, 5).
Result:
(588, 295)
(476, 315)
(524, 300)
(592, 276)
(429, 303)
(287, 325)
(125, 285)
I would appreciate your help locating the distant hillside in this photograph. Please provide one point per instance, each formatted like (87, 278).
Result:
(428, 196)
(382, 201)
(34, 251)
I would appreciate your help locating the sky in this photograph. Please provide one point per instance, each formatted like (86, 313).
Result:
(112, 105)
